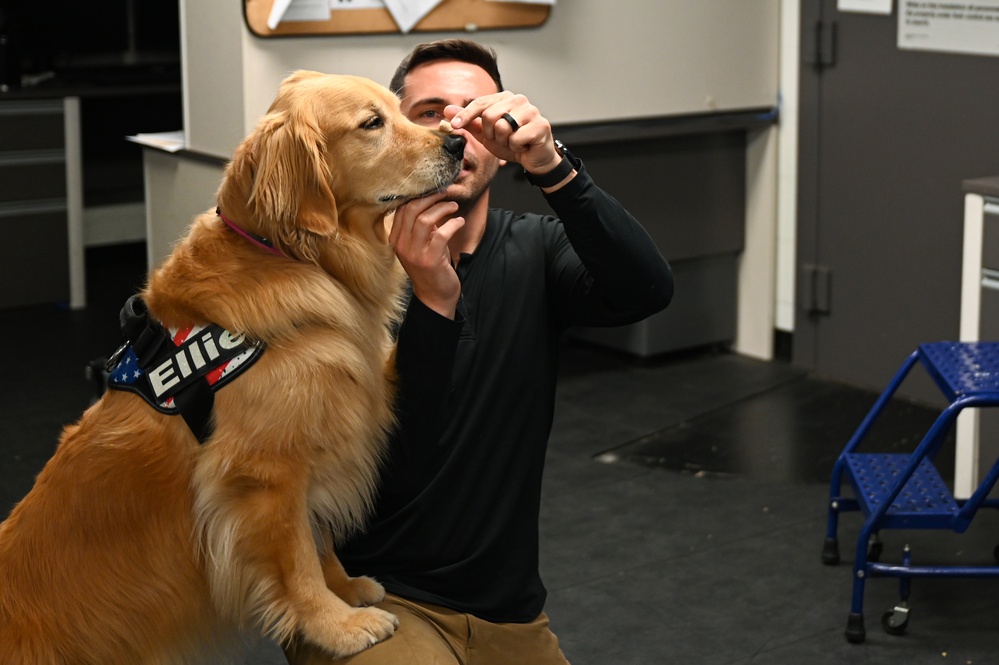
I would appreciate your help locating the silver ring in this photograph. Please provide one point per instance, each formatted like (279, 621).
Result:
(510, 119)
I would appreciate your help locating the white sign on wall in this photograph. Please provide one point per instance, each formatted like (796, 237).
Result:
(865, 6)
(971, 26)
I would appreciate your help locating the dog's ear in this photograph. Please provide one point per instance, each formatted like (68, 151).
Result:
(291, 178)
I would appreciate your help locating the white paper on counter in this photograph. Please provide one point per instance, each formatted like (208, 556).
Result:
(168, 141)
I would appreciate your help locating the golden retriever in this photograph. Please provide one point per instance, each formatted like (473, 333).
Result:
(137, 544)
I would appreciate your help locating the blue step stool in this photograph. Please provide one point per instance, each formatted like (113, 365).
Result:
(905, 491)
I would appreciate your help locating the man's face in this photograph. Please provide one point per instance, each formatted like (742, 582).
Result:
(431, 87)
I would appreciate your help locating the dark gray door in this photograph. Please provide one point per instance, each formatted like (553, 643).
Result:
(886, 138)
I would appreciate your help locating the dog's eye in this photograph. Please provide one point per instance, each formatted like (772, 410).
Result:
(373, 123)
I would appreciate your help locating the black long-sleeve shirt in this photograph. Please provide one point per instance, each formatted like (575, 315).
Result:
(456, 521)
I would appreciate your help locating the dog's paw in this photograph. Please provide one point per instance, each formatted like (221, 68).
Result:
(364, 591)
(364, 627)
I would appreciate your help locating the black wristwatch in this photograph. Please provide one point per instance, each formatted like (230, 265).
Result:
(557, 174)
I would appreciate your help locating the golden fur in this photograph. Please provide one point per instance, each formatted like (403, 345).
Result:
(137, 544)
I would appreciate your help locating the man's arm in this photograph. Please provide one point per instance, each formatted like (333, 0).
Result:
(604, 267)
(425, 354)
(428, 338)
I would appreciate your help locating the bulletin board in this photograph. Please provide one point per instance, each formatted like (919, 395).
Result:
(450, 15)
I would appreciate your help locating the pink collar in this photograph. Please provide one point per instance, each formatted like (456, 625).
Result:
(259, 241)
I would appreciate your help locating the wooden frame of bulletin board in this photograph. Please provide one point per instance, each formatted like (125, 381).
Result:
(450, 15)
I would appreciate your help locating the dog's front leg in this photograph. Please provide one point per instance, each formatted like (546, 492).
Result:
(262, 561)
(319, 613)
(357, 591)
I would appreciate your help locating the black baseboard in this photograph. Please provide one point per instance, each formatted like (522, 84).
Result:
(783, 341)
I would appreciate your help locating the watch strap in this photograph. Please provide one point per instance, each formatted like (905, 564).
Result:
(557, 174)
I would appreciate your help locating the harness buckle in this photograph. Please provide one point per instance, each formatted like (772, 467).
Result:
(115, 357)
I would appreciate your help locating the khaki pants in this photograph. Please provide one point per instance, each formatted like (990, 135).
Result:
(431, 635)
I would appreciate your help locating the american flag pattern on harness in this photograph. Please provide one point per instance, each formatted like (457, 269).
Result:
(207, 351)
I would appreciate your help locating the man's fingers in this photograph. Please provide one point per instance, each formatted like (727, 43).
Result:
(527, 140)
(450, 227)
(395, 227)
(419, 212)
(475, 108)
(422, 231)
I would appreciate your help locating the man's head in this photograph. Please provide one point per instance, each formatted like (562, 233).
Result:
(452, 72)
(462, 50)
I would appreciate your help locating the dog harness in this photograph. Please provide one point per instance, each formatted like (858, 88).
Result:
(178, 371)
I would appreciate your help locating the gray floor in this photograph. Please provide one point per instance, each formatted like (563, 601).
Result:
(684, 503)
(648, 564)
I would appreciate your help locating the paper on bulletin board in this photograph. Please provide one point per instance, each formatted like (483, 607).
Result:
(356, 4)
(314, 10)
(953, 27)
(865, 6)
(298, 10)
(407, 13)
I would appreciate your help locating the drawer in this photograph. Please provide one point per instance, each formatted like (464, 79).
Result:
(990, 235)
(31, 125)
(32, 176)
(988, 326)
(988, 423)
(34, 257)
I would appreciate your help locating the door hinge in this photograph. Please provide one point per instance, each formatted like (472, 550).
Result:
(821, 53)
(818, 290)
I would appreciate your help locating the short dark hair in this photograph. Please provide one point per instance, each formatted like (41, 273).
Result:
(463, 50)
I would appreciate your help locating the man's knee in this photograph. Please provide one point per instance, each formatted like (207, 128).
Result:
(417, 641)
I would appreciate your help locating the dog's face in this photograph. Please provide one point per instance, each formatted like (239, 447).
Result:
(331, 150)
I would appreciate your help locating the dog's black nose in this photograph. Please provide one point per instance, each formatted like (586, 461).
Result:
(455, 145)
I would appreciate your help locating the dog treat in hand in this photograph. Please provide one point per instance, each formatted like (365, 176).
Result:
(445, 127)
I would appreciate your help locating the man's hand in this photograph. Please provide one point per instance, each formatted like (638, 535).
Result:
(530, 144)
(420, 233)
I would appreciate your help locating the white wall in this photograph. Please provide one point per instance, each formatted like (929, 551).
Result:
(591, 61)
(213, 75)
(787, 168)
(176, 191)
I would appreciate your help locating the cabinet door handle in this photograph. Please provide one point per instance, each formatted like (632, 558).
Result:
(818, 285)
(990, 279)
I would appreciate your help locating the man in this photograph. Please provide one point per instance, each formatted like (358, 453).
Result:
(454, 537)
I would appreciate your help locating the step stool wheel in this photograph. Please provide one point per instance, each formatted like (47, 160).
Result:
(875, 550)
(896, 620)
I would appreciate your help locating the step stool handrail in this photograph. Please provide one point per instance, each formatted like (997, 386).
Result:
(964, 516)
(879, 405)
